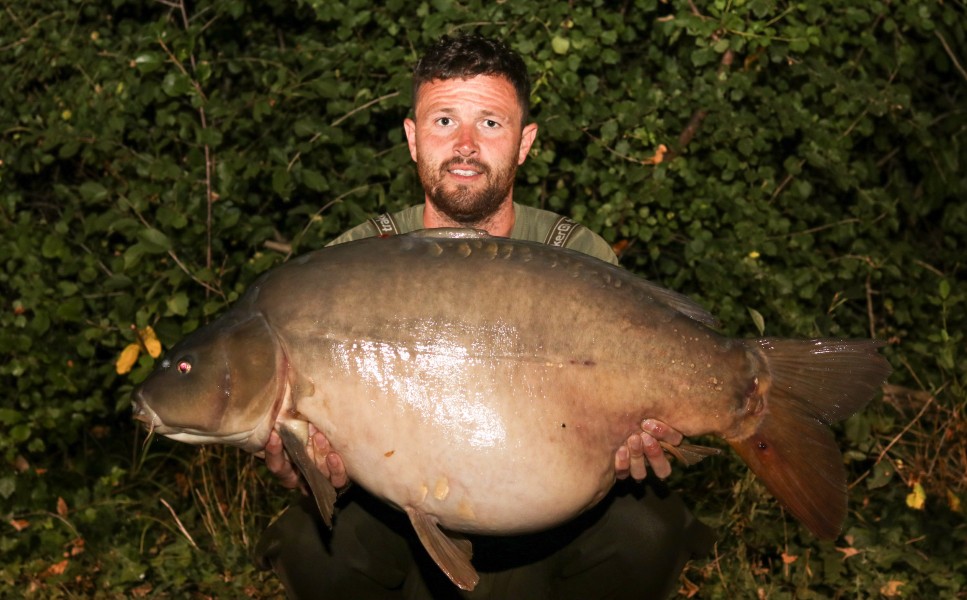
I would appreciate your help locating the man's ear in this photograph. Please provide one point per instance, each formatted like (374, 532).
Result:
(527, 137)
(409, 126)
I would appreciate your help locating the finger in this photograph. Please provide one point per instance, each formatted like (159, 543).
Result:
(655, 456)
(319, 447)
(337, 470)
(622, 463)
(278, 463)
(636, 451)
(661, 431)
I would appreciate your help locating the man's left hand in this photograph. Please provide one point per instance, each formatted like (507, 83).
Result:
(643, 449)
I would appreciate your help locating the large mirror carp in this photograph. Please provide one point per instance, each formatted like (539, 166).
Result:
(483, 385)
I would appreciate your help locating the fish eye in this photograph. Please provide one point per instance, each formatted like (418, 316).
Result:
(184, 366)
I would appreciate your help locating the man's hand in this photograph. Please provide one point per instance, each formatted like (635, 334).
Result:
(640, 447)
(327, 461)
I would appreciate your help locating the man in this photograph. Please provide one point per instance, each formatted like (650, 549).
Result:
(468, 135)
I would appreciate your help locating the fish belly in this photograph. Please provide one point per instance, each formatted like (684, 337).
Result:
(481, 457)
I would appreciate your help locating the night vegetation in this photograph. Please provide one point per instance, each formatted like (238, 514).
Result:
(798, 168)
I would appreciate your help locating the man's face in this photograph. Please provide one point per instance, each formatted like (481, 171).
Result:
(467, 141)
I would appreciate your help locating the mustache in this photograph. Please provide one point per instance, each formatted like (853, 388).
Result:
(471, 163)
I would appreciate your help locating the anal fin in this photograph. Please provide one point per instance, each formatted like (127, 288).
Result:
(322, 489)
(450, 552)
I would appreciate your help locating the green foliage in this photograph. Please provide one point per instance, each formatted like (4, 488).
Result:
(155, 157)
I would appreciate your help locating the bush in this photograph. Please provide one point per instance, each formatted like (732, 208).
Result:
(798, 168)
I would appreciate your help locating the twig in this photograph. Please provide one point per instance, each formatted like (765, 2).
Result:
(695, 122)
(816, 229)
(180, 526)
(338, 121)
(930, 268)
(692, 128)
(209, 158)
(657, 158)
(951, 54)
(869, 306)
(325, 206)
(174, 257)
(897, 437)
(364, 107)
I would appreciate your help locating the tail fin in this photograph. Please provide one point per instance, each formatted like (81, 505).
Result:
(810, 384)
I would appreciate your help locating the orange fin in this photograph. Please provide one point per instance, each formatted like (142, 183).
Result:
(450, 552)
(322, 490)
(810, 384)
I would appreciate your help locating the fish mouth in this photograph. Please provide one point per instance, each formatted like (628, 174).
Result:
(142, 412)
(145, 414)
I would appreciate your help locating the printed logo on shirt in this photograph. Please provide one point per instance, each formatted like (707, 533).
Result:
(385, 225)
(561, 232)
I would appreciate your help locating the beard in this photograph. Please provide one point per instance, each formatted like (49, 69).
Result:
(463, 204)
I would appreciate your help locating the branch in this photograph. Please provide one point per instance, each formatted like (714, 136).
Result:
(950, 53)
(656, 159)
(688, 134)
(338, 121)
(209, 158)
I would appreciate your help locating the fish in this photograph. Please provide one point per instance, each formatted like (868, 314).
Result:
(482, 384)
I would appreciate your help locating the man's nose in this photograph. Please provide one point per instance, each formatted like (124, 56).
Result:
(466, 142)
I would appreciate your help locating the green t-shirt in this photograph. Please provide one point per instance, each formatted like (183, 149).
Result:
(530, 223)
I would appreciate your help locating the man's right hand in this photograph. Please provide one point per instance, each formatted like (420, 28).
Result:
(327, 461)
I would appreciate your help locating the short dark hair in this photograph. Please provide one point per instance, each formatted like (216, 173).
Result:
(469, 55)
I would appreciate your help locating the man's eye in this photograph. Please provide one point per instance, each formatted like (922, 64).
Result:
(444, 121)
(491, 124)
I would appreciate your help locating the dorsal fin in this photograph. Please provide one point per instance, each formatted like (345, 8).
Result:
(678, 302)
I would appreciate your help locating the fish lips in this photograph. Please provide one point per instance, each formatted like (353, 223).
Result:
(145, 414)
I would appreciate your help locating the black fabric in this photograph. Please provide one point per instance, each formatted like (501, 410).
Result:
(632, 545)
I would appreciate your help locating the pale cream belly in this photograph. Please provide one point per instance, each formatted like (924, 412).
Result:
(498, 469)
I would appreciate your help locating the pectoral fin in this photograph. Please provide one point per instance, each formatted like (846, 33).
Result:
(322, 489)
(689, 454)
(450, 552)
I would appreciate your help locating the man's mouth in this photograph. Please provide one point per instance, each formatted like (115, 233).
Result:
(465, 169)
